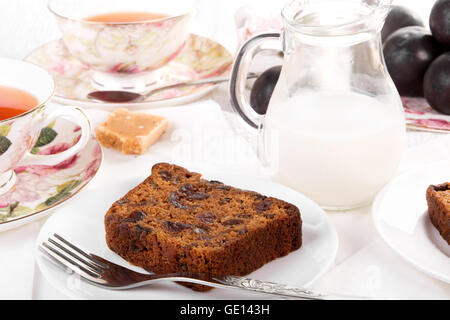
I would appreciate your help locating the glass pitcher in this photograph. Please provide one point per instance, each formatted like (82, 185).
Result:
(335, 128)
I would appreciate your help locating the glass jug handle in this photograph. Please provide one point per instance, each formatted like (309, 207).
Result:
(238, 79)
(252, 121)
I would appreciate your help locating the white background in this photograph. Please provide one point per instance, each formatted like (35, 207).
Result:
(26, 24)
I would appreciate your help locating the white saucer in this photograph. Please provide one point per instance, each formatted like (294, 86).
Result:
(82, 223)
(401, 217)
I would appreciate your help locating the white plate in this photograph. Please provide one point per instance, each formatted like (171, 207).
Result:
(82, 223)
(401, 217)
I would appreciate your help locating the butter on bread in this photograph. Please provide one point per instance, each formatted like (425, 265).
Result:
(130, 133)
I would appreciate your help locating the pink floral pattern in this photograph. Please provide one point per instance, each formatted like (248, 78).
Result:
(38, 188)
(121, 68)
(434, 124)
(199, 58)
(92, 168)
(421, 116)
(251, 24)
(125, 48)
(28, 188)
(46, 170)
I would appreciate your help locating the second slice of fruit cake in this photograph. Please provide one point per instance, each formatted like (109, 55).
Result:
(438, 199)
(175, 221)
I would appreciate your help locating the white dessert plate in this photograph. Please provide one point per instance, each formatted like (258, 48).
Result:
(40, 189)
(400, 213)
(82, 223)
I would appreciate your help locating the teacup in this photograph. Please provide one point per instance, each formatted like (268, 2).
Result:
(124, 55)
(19, 134)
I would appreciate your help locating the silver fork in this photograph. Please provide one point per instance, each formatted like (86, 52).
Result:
(103, 273)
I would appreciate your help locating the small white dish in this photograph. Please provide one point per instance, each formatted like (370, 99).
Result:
(400, 214)
(82, 223)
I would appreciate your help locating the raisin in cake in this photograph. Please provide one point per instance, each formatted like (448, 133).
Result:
(175, 221)
(438, 198)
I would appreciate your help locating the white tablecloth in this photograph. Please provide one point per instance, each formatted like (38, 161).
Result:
(365, 265)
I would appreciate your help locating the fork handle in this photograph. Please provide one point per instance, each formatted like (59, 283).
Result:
(279, 289)
(234, 282)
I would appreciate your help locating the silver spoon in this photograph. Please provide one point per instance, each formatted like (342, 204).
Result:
(128, 96)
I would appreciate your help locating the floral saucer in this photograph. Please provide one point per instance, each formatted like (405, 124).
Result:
(41, 188)
(420, 116)
(200, 58)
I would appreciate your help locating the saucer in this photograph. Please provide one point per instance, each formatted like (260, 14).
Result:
(41, 188)
(200, 58)
(420, 116)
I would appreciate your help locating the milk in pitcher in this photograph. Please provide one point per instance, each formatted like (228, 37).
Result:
(338, 148)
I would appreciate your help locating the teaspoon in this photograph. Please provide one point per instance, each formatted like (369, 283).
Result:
(128, 96)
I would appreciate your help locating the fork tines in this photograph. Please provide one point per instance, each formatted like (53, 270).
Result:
(72, 257)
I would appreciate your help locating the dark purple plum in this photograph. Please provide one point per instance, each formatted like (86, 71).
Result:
(440, 22)
(400, 17)
(263, 88)
(436, 84)
(408, 53)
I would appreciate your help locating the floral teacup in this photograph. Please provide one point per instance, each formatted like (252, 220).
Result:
(18, 135)
(124, 55)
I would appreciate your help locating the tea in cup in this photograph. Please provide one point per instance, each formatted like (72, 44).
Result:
(125, 43)
(25, 94)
